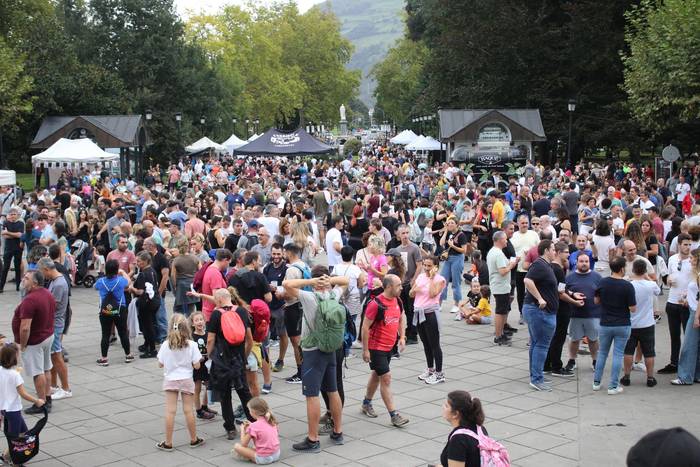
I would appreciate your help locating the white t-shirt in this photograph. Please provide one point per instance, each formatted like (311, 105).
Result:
(644, 291)
(522, 243)
(603, 246)
(693, 296)
(177, 364)
(352, 272)
(681, 191)
(618, 224)
(646, 205)
(681, 279)
(9, 397)
(332, 237)
(272, 224)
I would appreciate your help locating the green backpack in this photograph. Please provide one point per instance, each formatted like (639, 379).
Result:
(329, 326)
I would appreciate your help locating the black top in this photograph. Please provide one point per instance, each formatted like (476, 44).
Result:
(459, 240)
(560, 274)
(616, 298)
(272, 273)
(361, 226)
(542, 274)
(159, 263)
(231, 243)
(228, 361)
(462, 448)
(12, 244)
(249, 285)
(541, 207)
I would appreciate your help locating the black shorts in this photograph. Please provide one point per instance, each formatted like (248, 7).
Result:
(645, 337)
(201, 374)
(292, 319)
(318, 373)
(379, 361)
(277, 318)
(502, 303)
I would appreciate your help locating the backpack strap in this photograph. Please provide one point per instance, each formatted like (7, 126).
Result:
(468, 432)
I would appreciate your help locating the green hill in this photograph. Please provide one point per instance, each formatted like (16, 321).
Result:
(372, 26)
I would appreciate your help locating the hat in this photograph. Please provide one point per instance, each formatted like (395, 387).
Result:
(394, 252)
(253, 224)
(673, 446)
(176, 222)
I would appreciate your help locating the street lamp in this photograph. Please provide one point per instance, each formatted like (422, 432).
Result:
(572, 109)
(235, 120)
(247, 130)
(149, 114)
(257, 124)
(178, 120)
(202, 121)
(371, 114)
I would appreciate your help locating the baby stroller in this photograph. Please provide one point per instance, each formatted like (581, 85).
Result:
(82, 252)
(25, 446)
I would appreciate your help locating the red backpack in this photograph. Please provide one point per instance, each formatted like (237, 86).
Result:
(232, 327)
(260, 312)
(199, 276)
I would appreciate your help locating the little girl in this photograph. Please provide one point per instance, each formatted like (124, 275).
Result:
(481, 314)
(11, 389)
(200, 375)
(263, 433)
(179, 355)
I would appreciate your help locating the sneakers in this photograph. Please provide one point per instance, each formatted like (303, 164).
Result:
(112, 341)
(615, 391)
(203, 414)
(657, 318)
(164, 447)
(266, 389)
(570, 365)
(540, 387)
(279, 366)
(596, 386)
(34, 410)
(61, 394)
(337, 438)
(435, 378)
(669, 369)
(563, 373)
(151, 354)
(458, 317)
(411, 340)
(509, 328)
(398, 420)
(625, 380)
(231, 434)
(294, 379)
(423, 376)
(102, 362)
(368, 410)
(503, 340)
(274, 343)
(454, 309)
(128, 358)
(639, 366)
(675, 382)
(239, 412)
(307, 446)
(651, 382)
(326, 428)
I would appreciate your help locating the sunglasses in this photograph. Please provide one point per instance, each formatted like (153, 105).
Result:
(535, 223)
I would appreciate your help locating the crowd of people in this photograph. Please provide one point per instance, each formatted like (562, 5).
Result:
(350, 257)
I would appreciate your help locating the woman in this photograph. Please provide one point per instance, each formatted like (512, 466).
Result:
(426, 291)
(197, 248)
(377, 265)
(463, 413)
(634, 233)
(603, 246)
(213, 236)
(302, 238)
(358, 227)
(484, 225)
(587, 215)
(285, 230)
(455, 243)
(83, 226)
(113, 309)
(183, 269)
(396, 265)
(562, 221)
(689, 359)
(617, 299)
(439, 222)
(651, 243)
(147, 303)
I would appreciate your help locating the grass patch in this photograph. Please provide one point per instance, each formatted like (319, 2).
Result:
(26, 181)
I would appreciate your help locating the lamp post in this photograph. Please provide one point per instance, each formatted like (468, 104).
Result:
(142, 148)
(235, 120)
(572, 109)
(371, 114)
(178, 121)
(247, 129)
(202, 121)
(257, 124)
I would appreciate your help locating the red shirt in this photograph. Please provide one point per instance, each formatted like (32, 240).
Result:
(125, 259)
(212, 280)
(383, 334)
(39, 306)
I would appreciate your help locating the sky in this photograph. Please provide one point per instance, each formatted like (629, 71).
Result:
(210, 6)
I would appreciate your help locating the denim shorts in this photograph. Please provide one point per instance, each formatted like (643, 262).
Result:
(264, 460)
(57, 345)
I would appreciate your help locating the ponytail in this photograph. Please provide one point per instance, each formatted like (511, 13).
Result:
(469, 408)
(260, 407)
(270, 418)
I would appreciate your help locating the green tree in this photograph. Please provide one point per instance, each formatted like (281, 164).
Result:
(662, 67)
(16, 86)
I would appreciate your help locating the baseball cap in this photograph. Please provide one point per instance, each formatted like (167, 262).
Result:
(665, 447)
(394, 252)
(253, 224)
(176, 222)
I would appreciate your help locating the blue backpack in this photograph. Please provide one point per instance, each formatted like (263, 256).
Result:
(305, 274)
(350, 332)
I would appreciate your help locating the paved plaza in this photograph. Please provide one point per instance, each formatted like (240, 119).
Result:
(116, 414)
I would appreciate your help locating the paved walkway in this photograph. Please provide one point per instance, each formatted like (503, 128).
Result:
(115, 415)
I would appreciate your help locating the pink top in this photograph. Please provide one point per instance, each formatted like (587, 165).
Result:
(265, 437)
(212, 280)
(423, 299)
(377, 262)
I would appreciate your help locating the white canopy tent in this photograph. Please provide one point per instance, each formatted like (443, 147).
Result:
(69, 154)
(8, 178)
(416, 144)
(233, 143)
(423, 143)
(405, 137)
(203, 144)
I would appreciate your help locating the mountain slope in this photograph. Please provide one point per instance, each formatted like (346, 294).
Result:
(373, 26)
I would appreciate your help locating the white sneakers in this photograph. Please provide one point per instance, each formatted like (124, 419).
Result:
(615, 391)
(454, 309)
(60, 393)
(426, 374)
(435, 378)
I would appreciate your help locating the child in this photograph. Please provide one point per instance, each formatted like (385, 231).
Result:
(428, 243)
(472, 300)
(11, 389)
(179, 355)
(263, 432)
(481, 314)
(200, 375)
(99, 264)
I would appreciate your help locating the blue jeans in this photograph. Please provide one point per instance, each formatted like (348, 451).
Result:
(689, 360)
(452, 272)
(161, 322)
(541, 325)
(616, 336)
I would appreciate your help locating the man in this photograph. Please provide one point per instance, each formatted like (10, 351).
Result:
(581, 249)
(194, 225)
(523, 240)
(48, 236)
(174, 212)
(71, 216)
(334, 243)
(12, 230)
(264, 247)
(274, 272)
(250, 239)
(542, 206)
(498, 211)
(630, 253)
(682, 190)
(32, 326)
(643, 324)
(413, 260)
(231, 243)
(499, 280)
(111, 224)
(390, 222)
(214, 279)
(585, 315)
(161, 266)
(56, 283)
(176, 237)
(680, 273)
(296, 269)
(571, 199)
(320, 201)
(645, 203)
(378, 340)
(539, 310)
(123, 256)
(319, 369)
(270, 220)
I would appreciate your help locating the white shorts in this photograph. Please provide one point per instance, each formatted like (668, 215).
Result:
(37, 358)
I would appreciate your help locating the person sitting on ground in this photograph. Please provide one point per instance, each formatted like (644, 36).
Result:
(481, 313)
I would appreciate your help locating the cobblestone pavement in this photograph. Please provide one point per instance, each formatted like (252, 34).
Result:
(115, 416)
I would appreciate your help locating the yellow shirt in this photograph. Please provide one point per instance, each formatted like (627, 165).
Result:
(484, 306)
(499, 213)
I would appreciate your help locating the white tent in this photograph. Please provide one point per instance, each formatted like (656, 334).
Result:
(8, 178)
(416, 144)
(423, 143)
(72, 152)
(234, 142)
(205, 143)
(405, 137)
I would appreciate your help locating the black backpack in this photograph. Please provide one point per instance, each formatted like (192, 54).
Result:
(110, 306)
(252, 241)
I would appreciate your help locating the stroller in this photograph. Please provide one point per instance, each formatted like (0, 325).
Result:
(82, 252)
(25, 446)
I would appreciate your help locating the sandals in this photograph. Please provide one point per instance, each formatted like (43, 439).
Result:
(164, 447)
(680, 382)
(196, 443)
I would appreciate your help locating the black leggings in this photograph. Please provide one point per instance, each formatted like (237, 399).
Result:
(147, 323)
(227, 405)
(430, 336)
(520, 289)
(119, 321)
(339, 358)
(553, 360)
(677, 319)
(7, 259)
